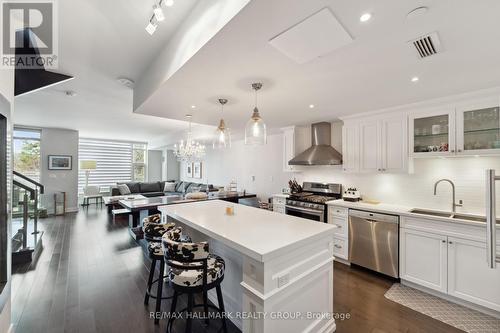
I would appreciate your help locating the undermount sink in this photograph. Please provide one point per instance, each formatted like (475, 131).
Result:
(450, 215)
(431, 212)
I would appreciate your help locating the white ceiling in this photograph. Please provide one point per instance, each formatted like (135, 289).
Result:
(99, 41)
(373, 72)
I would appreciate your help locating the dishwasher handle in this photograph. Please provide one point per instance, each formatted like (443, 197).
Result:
(373, 217)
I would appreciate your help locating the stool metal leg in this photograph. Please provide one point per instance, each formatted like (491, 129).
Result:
(205, 306)
(221, 308)
(189, 313)
(159, 291)
(150, 280)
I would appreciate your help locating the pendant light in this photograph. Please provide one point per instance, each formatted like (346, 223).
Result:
(222, 137)
(255, 130)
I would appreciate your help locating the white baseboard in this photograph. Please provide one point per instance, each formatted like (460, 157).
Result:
(72, 210)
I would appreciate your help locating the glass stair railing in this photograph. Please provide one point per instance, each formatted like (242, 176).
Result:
(26, 238)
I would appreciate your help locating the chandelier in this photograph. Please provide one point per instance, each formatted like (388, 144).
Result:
(189, 150)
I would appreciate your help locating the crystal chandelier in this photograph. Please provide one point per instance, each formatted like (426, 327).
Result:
(222, 137)
(255, 130)
(189, 150)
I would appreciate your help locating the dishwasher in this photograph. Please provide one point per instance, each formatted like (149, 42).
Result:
(374, 241)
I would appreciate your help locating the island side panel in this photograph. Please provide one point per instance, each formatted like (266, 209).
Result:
(294, 291)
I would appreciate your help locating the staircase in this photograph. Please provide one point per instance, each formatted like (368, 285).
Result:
(26, 238)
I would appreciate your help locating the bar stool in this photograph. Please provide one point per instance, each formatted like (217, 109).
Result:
(193, 270)
(153, 231)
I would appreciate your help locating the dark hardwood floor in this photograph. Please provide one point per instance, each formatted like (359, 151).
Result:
(91, 277)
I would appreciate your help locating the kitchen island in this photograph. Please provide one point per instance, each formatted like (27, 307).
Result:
(279, 268)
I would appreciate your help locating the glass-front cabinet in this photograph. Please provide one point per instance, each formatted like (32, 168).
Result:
(478, 128)
(432, 132)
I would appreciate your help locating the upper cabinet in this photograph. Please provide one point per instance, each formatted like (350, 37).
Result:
(376, 144)
(432, 132)
(467, 128)
(478, 128)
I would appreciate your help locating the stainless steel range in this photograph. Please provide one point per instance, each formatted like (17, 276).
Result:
(311, 202)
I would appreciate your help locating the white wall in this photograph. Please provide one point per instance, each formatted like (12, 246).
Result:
(55, 141)
(241, 162)
(414, 190)
(170, 166)
(154, 165)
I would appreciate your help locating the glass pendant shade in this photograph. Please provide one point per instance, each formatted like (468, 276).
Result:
(222, 137)
(255, 130)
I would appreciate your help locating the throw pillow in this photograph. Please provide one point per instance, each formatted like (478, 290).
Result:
(123, 188)
(169, 187)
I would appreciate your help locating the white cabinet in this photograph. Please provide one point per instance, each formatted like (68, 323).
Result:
(350, 147)
(449, 258)
(464, 128)
(369, 146)
(288, 148)
(377, 145)
(423, 259)
(469, 278)
(338, 216)
(394, 150)
(279, 202)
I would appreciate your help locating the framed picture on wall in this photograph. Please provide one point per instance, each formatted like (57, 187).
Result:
(60, 162)
(189, 170)
(197, 170)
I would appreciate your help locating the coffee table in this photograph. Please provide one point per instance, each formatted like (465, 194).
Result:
(112, 202)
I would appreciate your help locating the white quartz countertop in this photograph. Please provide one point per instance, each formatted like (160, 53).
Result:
(402, 211)
(257, 233)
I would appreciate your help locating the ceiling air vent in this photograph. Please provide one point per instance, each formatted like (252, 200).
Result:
(427, 45)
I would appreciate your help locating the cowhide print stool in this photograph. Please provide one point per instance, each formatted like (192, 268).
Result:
(153, 232)
(192, 270)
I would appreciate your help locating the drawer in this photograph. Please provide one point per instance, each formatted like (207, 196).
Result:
(279, 201)
(339, 211)
(341, 223)
(340, 248)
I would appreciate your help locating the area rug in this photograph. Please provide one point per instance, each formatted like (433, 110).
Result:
(450, 313)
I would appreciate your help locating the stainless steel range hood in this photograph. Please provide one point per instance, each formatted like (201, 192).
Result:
(321, 152)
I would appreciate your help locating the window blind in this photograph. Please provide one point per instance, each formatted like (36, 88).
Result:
(114, 162)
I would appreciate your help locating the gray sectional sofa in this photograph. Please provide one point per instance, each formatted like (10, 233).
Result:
(155, 189)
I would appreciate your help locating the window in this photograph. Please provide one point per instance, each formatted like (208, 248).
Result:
(116, 162)
(27, 152)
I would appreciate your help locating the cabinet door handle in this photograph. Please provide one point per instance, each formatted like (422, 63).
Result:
(443, 241)
(379, 169)
(460, 150)
(453, 150)
(338, 225)
(338, 246)
(450, 242)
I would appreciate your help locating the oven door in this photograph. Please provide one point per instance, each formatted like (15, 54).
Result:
(306, 213)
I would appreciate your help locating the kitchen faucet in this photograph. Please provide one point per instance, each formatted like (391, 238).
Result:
(453, 204)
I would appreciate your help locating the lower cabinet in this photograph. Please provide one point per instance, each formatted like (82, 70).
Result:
(338, 216)
(279, 202)
(454, 266)
(469, 278)
(423, 259)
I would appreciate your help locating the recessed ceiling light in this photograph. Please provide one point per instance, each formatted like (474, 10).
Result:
(414, 79)
(311, 106)
(70, 93)
(193, 106)
(365, 17)
(169, 3)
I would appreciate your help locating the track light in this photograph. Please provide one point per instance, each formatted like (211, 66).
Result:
(151, 27)
(158, 12)
(169, 3)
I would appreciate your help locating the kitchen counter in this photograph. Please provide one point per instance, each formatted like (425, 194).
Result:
(274, 263)
(402, 211)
